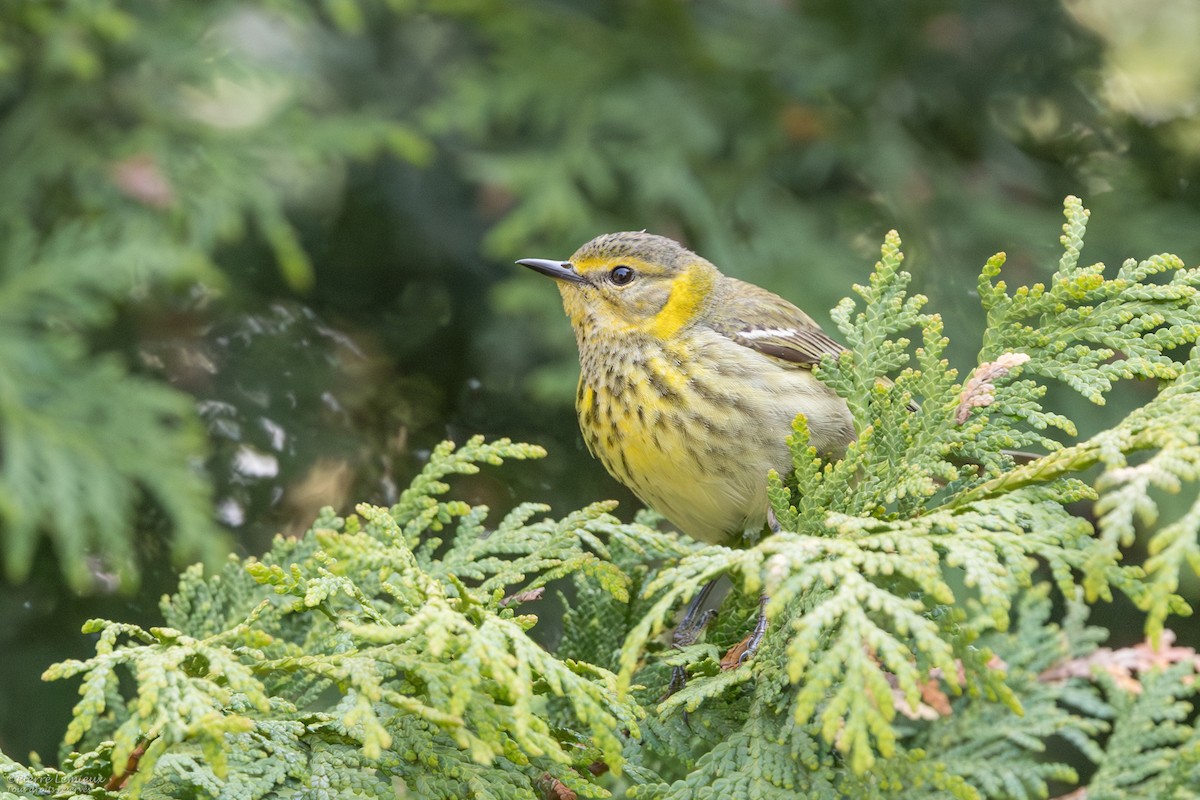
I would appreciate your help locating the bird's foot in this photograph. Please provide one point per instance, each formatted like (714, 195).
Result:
(689, 630)
(686, 633)
(746, 648)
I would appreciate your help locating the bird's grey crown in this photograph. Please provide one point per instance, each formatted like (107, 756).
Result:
(646, 246)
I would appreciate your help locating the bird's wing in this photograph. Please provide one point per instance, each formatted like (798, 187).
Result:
(763, 321)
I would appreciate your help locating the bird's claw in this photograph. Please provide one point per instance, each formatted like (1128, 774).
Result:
(746, 648)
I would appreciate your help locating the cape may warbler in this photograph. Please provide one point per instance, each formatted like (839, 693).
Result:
(690, 379)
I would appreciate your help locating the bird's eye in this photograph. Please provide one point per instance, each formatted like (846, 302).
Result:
(621, 275)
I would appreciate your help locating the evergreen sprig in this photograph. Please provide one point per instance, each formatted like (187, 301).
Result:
(438, 680)
(1087, 330)
(1162, 440)
(1154, 748)
(1001, 753)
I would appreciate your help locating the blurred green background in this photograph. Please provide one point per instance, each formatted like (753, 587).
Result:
(256, 257)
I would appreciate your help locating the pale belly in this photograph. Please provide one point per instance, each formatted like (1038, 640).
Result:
(696, 447)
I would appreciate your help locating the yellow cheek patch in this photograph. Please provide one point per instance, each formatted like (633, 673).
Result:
(688, 293)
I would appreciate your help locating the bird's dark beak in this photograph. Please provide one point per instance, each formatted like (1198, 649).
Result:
(559, 270)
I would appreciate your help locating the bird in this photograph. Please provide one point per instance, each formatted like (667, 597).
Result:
(690, 380)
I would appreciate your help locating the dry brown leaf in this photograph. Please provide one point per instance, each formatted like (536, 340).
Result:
(554, 789)
(1126, 663)
(522, 597)
(980, 389)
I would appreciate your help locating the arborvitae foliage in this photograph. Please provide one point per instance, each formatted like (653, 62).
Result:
(912, 650)
(368, 650)
(893, 562)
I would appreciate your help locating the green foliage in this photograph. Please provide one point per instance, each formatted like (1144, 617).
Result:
(140, 139)
(1154, 749)
(912, 649)
(127, 160)
(346, 659)
(1087, 330)
(1002, 752)
(881, 577)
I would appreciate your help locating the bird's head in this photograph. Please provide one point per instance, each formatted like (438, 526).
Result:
(630, 282)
